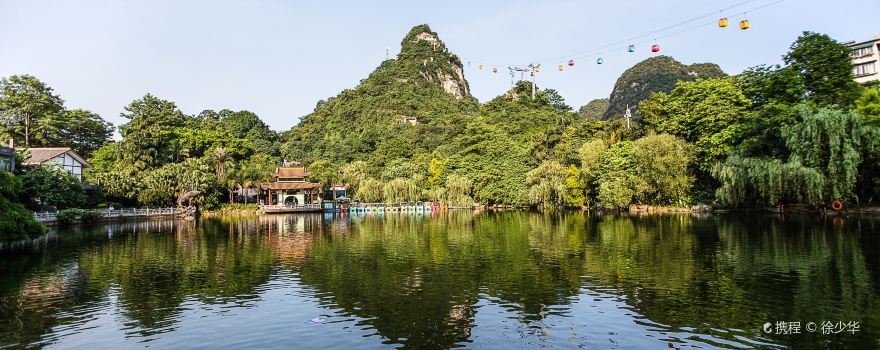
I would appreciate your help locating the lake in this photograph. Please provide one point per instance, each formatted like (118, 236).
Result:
(503, 280)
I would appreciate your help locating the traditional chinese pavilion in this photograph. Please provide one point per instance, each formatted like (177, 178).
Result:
(291, 192)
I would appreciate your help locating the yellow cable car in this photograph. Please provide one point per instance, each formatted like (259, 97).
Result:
(537, 69)
(494, 70)
(723, 22)
(481, 67)
(744, 24)
(561, 68)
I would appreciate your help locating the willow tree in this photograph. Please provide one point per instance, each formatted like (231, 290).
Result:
(370, 191)
(766, 181)
(401, 190)
(547, 184)
(458, 191)
(825, 154)
(828, 140)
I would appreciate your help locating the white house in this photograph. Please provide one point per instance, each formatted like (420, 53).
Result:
(59, 157)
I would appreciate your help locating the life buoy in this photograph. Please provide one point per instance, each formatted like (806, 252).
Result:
(837, 205)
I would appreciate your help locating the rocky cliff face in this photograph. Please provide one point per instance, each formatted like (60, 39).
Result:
(653, 75)
(438, 66)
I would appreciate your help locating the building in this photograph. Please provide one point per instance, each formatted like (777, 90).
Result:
(866, 59)
(291, 189)
(7, 159)
(58, 157)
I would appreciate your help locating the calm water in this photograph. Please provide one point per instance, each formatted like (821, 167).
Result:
(490, 280)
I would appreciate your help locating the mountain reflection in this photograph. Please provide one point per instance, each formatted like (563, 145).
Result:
(422, 281)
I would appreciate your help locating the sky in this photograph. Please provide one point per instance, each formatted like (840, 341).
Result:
(278, 58)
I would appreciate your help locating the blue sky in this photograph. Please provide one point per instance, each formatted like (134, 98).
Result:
(278, 58)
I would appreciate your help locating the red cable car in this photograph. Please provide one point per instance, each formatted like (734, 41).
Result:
(655, 48)
(571, 63)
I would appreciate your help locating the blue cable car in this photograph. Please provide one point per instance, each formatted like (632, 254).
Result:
(632, 48)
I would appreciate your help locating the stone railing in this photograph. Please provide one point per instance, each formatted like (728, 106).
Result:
(117, 213)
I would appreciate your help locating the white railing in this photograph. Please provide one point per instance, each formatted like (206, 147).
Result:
(281, 206)
(117, 213)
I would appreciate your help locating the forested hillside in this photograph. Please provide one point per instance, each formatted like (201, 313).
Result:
(802, 132)
(656, 74)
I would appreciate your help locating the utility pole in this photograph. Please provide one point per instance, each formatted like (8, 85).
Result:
(387, 54)
(532, 68)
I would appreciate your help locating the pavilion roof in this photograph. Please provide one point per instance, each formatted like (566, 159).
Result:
(291, 186)
(291, 172)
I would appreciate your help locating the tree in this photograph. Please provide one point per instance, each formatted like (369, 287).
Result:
(709, 113)
(868, 105)
(16, 222)
(825, 68)
(85, 131)
(595, 109)
(823, 164)
(617, 175)
(30, 112)
(149, 136)
(828, 140)
(458, 191)
(370, 191)
(662, 166)
(51, 186)
(247, 125)
(326, 173)
(548, 187)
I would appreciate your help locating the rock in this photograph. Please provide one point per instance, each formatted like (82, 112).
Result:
(701, 208)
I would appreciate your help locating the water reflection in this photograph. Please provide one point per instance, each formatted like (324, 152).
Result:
(459, 279)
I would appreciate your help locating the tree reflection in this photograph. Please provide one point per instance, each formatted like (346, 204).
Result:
(416, 279)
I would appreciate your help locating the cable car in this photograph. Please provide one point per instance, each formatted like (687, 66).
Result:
(723, 22)
(632, 48)
(600, 60)
(494, 70)
(655, 48)
(571, 63)
(561, 68)
(744, 24)
(537, 69)
(481, 67)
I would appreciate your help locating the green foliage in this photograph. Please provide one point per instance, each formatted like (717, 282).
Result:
(425, 81)
(766, 181)
(51, 186)
(16, 222)
(71, 215)
(84, 131)
(548, 184)
(30, 111)
(823, 165)
(458, 191)
(655, 74)
(708, 113)
(401, 190)
(162, 187)
(370, 191)
(148, 139)
(495, 163)
(248, 126)
(661, 165)
(435, 173)
(324, 172)
(595, 109)
(825, 69)
(868, 105)
(33, 116)
(829, 141)
(617, 178)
